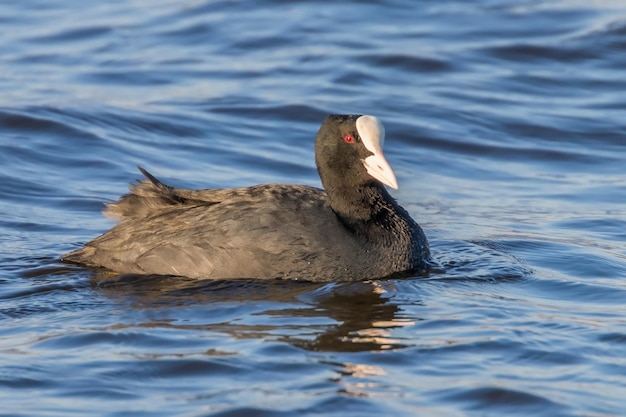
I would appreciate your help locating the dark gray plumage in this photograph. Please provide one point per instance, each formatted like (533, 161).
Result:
(353, 231)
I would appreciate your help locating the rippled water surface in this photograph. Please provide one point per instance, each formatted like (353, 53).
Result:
(506, 126)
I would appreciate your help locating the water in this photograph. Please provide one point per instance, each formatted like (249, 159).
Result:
(506, 129)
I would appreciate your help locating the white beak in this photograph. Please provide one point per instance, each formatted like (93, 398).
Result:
(378, 167)
(372, 134)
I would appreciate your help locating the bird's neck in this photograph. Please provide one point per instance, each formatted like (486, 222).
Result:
(364, 208)
(377, 221)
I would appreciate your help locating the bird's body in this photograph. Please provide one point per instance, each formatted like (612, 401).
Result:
(352, 231)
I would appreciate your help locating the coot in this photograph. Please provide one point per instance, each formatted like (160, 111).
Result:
(354, 230)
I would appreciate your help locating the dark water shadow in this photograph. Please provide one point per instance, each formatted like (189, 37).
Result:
(345, 317)
(366, 316)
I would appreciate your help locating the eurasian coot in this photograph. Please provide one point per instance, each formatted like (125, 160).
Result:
(354, 230)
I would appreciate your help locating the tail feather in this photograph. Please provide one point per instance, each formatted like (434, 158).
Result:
(145, 197)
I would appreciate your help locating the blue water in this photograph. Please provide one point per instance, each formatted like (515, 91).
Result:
(506, 127)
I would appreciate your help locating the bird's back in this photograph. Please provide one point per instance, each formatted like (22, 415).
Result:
(265, 231)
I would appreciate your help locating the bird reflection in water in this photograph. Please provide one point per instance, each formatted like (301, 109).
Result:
(347, 317)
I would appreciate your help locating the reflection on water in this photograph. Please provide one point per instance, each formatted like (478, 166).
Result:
(336, 317)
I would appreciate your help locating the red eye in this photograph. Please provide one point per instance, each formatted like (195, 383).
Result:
(348, 138)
